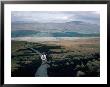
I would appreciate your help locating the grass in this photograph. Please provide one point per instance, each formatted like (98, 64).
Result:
(68, 58)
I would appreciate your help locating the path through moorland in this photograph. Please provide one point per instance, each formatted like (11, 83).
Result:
(42, 70)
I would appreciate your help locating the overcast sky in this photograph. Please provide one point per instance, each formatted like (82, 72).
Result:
(55, 16)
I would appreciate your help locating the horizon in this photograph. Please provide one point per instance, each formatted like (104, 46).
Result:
(52, 22)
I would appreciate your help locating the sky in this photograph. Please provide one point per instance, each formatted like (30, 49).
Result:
(55, 16)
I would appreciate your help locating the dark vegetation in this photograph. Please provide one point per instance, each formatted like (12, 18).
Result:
(74, 66)
(63, 63)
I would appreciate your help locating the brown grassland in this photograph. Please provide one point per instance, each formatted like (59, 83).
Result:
(80, 57)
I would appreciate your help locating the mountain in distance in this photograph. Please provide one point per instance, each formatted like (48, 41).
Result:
(59, 29)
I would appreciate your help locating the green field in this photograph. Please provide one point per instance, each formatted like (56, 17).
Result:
(66, 58)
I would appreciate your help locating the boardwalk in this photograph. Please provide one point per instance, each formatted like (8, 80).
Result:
(37, 52)
(42, 70)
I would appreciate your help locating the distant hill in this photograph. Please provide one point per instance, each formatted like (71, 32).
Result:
(72, 26)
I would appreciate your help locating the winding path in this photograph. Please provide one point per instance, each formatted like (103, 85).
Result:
(42, 70)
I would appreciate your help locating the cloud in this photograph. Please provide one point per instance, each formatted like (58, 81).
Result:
(55, 16)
